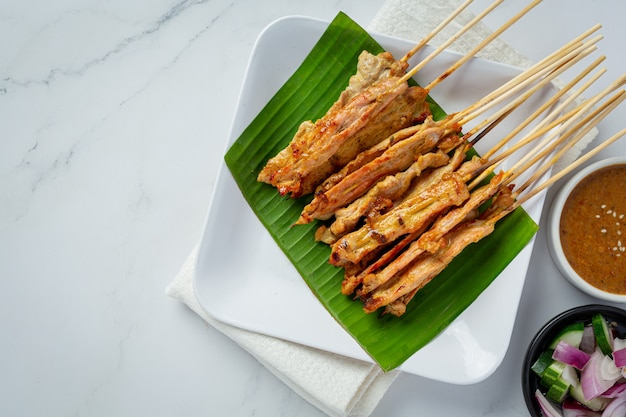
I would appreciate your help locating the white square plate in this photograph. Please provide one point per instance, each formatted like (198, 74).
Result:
(245, 280)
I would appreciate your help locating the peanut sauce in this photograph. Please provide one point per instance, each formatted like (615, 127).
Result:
(592, 229)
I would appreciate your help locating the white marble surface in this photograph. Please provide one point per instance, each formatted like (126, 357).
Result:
(113, 118)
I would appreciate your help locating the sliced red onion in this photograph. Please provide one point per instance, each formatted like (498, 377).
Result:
(570, 355)
(609, 371)
(572, 408)
(619, 357)
(599, 375)
(615, 391)
(546, 406)
(616, 408)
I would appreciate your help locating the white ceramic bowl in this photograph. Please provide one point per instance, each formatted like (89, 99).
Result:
(554, 240)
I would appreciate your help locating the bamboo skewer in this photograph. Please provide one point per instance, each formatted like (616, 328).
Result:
(553, 65)
(568, 120)
(581, 128)
(532, 135)
(574, 45)
(523, 80)
(435, 31)
(486, 41)
(520, 99)
(572, 166)
(554, 69)
(560, 93)
(540, 129)
(448, 42)
(578, 131)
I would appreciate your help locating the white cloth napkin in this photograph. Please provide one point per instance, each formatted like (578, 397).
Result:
(337, 385)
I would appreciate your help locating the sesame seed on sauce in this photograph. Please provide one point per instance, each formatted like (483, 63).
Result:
(591, 229)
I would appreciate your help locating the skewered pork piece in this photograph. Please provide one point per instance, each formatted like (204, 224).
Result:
(375, 105)
(353, 276)
(430, 240)
(315, 144)
(408, 109)
(407, 217)
(430, 265)
(380, 197)
(398, 157)
(366, 157)
(370, 68)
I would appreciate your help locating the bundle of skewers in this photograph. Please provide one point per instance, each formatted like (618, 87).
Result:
(399, 194)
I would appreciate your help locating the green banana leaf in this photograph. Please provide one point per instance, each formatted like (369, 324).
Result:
(310, 91)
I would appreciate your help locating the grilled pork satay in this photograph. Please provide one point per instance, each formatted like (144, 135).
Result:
(377, 269)
(406, 218)
(324, 203)
(381, 196)
(370, 68)
(396, 158)
(358, 119)
(506, 201)
(331, 132)
(430, 240)
(354, 277)
(408, 109)
(502, 204)
(428, 265)
(430, 177)
(366, 157)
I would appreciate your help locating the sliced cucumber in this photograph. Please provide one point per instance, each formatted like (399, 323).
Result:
(542, 362)
(552, 373)
(562, 385)
(572, 334)
(558, 391)
(604, 338)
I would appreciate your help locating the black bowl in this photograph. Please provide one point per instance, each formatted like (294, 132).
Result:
(530, 381)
